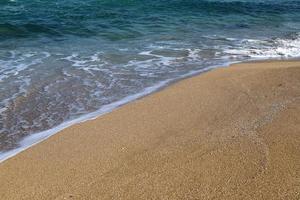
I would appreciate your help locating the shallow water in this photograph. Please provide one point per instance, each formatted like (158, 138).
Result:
(62, 59)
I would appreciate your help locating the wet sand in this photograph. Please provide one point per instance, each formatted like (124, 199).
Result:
(231, 133)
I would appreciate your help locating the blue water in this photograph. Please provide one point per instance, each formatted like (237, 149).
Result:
(62, 59)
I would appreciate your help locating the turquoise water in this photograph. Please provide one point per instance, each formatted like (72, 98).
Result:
(63, 59)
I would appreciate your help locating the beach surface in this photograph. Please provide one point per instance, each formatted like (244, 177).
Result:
(231, 133)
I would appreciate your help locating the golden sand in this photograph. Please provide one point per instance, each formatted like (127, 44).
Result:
(232, 133)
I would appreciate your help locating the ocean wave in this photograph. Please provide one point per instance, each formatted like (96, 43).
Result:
(274, 48)
(18, 62)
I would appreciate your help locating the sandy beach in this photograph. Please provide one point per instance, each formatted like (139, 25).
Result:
(231, 133)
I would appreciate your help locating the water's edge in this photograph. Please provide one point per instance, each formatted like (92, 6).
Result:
(36, 138)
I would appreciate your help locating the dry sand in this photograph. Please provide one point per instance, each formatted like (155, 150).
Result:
(232, 133)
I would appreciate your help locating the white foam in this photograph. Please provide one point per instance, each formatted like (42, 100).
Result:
(278, 48)
(20, 62)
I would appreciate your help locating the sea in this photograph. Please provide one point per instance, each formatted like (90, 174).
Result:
(67, 61)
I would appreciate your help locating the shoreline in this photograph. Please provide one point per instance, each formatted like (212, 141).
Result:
(38, 137)
(214, 135)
